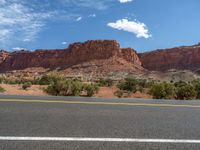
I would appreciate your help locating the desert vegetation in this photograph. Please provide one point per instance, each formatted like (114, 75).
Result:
(178, 90)
(2, 89)
(62, 86)
(26, 85)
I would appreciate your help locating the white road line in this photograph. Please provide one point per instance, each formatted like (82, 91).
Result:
(78, 139)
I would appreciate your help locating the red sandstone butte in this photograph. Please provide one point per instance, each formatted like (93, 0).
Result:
(180, 58)
(105, 55)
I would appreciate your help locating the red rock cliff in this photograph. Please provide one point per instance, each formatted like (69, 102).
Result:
(3, 55)
(179, 58)
(75, 54)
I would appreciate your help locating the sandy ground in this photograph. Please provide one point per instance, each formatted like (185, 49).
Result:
(17, 90)
(108, 92)
(37, 90)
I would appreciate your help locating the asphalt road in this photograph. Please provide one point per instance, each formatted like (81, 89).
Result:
(90, 118)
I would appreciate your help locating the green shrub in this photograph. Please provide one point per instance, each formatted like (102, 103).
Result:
(2, 89)
(180, 83)
(169, 90)
(62, 87)
(54, 88)
(197, 88)
(2, 79)
(106, 82)
(129, 84)
(140, 89)
(142, 83)
(186, 92)
(18, 81)
(76, 88)
(11, 82)
(149, 84)
(26, 85)
(119, 93)
(158, 91)
(91, 89)
(47, 80)
(163, 91)
(196, 84)
(35, 81)
(59, 88)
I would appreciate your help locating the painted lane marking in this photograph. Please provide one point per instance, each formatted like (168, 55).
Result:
(98, 103)
(84, 139)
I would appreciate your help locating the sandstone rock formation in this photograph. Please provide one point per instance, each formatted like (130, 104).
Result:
(180, 58)
(102, 56)
(3, 55)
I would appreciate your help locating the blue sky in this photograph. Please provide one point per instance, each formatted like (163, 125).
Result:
(141, 24)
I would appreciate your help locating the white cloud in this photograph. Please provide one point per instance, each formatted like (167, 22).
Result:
(79, 19)
(18, 49)
(92, 15)
(23, 20)
(4, 33)
(125, 1)
(64, 43)
(138, 28)
(94, 4)
(18, 22)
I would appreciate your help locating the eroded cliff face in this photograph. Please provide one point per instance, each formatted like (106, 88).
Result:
(97, 54)
(180, 58)
(3, 55)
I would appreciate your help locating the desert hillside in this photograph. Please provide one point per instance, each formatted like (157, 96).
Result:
(100, 58)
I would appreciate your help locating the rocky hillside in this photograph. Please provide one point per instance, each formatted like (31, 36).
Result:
(179, 58)
(105, 57)
(101, 56)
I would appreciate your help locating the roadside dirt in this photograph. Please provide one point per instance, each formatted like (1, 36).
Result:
(108, 92)
(37, 90)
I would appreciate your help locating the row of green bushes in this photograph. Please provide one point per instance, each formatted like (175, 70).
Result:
(132, 85)
(60, 86)
(161, 90)
(178, 90)
(48, 79)
(64, 87)
(44, 80)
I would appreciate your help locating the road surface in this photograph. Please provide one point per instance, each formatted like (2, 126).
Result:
(59, 123)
